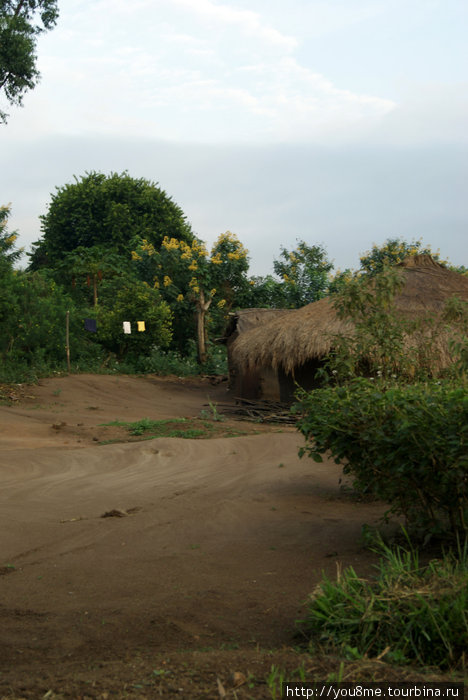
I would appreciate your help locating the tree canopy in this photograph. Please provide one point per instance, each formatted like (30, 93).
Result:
(21, 21)
(107, 210)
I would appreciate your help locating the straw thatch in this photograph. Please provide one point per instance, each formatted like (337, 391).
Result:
(245, 319)
(307, 334)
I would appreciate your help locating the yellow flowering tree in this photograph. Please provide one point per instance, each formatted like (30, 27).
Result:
(8, 254)
(392, 252)
(193, 279)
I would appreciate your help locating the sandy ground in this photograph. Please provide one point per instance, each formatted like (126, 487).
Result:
(212, 549)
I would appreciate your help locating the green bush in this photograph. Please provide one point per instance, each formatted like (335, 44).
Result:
(409, 613)
(407, 445)
(165, 362)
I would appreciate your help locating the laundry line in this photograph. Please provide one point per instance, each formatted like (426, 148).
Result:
(90, 325)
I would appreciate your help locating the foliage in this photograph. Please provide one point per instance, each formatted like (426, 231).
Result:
(127, 299)
(379, 258)
(392, 252)
(304, 277)
(19, 29)
(384, 343)
(109, 211)
(191, 279)
(164, 362)
(89, 266)
(32, 327)
(262, 292)
(304, 273)
(409, 613)
(406, 445)
(8, 254)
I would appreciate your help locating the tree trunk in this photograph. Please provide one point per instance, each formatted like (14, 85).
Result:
(202, 308)
(95, 288)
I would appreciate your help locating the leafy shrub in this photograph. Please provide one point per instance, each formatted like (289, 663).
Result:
(128, 299)
(384, 342)
(409, 613)
(165, 362)
(407, 445)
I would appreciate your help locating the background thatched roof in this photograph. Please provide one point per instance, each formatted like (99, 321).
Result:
(306, 333)
(245, 319)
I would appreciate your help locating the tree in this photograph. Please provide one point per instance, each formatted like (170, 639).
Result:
(392, 252)
(8, 254)
(304, 273)
(110, 211)
(90, 266)
(127, 299)
(19, 28)
(190, 278)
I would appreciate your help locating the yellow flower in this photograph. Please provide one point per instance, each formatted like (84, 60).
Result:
(193, 266)
(167, 281)
(148, 247)
(170, 243)
(221, 303)
(135, 255)
(180, 297)
(156, 284)
(213, 292)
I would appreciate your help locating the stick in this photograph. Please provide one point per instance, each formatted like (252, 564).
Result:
(67, 340)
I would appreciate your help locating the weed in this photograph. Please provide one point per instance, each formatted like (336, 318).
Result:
(336, 677)
(212, 414)
(409, 613)
(274, 681)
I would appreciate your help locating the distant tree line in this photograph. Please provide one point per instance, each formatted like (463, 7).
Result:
(114, 249)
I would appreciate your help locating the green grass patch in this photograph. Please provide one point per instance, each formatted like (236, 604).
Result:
(188, 428)
(410, 613)
(168, 427)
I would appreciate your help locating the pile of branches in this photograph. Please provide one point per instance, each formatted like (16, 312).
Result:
(260, 411)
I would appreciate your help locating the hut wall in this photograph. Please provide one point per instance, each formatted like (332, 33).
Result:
(270, 388)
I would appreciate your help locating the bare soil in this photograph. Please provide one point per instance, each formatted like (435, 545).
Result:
(168, 567)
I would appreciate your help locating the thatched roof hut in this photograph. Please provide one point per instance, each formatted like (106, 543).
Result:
(305, 335)
(246, 382)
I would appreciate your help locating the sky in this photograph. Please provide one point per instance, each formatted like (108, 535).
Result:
(336, 122)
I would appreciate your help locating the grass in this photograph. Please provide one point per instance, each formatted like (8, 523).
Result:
(188, 428)
(410, 613)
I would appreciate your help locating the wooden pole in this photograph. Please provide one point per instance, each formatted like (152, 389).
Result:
(67, 341)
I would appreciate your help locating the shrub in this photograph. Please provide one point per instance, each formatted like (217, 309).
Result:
(166, 362)
(407, 445)
(409, 613)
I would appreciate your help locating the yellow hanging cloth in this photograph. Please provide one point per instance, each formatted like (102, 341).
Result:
(141, 325)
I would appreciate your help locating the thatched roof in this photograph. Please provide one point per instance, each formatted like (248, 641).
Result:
(245, 319)
(307, 333)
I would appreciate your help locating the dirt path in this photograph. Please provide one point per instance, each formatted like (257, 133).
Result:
(209, 545)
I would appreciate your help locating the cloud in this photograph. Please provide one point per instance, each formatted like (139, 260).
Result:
(189, 70)
(249, 22)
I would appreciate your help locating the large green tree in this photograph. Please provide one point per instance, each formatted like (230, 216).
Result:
(21, 22)
(107, 210)
(195, 283)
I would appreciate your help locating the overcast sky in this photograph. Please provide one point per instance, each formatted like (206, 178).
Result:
(340, 122)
